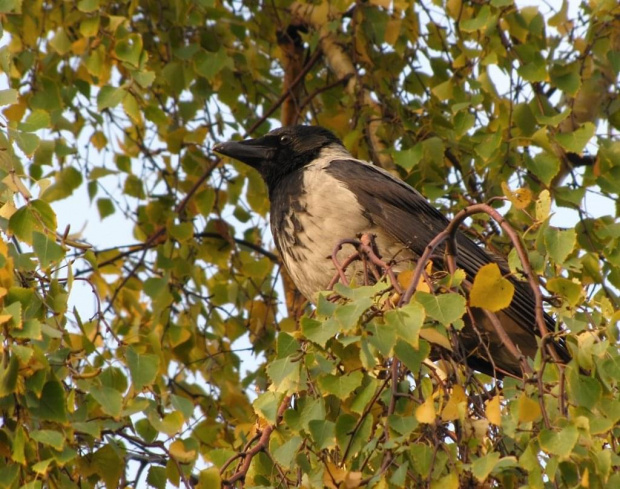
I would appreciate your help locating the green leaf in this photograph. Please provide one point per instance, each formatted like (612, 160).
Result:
(110, 400)
(109, 97)
(403, 425)
(524, 118)
(535, 69)
(170, 424)
(348, 315)
(38, 119)
(129, 49)
(576, 141)
(143, 368)
(105, 207)
(209, 64)
(422, 458)
(559, 443)
(8, 475)
(364, 395)
(570, 290)
(490, 289)
(66, 181)
(482, 467)
(157, 477)
(207, 478)
(266, 405)
(319, 332)
(382, 337)
(52, 403)
(445, 308)
(412, 357)
(88, 6)
(341, 385)
(407, 322)
(27, 142)
(323, 433)
(105, 462)
(8, 6)
(409, 158)
(52, 438)
(285, 453)
(284, 373)
(134, 187)
(348, 437)
(47, 250)
(584, 391)
(560, 243)
(61, 42)
(8, 96)
(8, 374)
(19, 444)
(552, 120)
(286, 345)
(481, 21)
(544, 165)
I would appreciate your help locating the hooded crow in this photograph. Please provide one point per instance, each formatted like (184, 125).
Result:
(320, 195)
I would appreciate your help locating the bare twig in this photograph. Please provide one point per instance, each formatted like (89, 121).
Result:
(262, 444)
(365, 249)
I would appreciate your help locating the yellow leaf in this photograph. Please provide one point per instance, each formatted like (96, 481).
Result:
(493, 411)
(425, 412)
(15, 184)
(99, 140)
(450, 481)
(392, 31)
(352, 480)
(209, 478)
(180, 453)
(333, 476)
(520, 197)
(491, 291)
(7, 210)
(433, 336)
(476, 428)
(528, 409)
(456, 406)
(543, 206)
(15, 112)
(405, 277)
(80, 46)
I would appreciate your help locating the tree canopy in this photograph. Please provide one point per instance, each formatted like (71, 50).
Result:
(199, 364)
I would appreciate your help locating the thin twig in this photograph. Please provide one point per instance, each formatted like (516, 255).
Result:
(262, 444)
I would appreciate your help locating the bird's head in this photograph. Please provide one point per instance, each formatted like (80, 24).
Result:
(281, 151)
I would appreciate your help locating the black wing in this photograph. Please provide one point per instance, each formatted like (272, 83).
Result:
(411, 219)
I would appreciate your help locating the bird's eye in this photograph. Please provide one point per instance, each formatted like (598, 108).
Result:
(285, 140)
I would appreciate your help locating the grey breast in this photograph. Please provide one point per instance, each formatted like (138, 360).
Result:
(311, 213)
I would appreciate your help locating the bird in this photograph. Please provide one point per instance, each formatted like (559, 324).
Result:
(320, 194)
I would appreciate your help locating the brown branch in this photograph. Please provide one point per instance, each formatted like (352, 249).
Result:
(365, 249)
(262, 444)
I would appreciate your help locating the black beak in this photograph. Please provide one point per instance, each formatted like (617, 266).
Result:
(251, 151)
